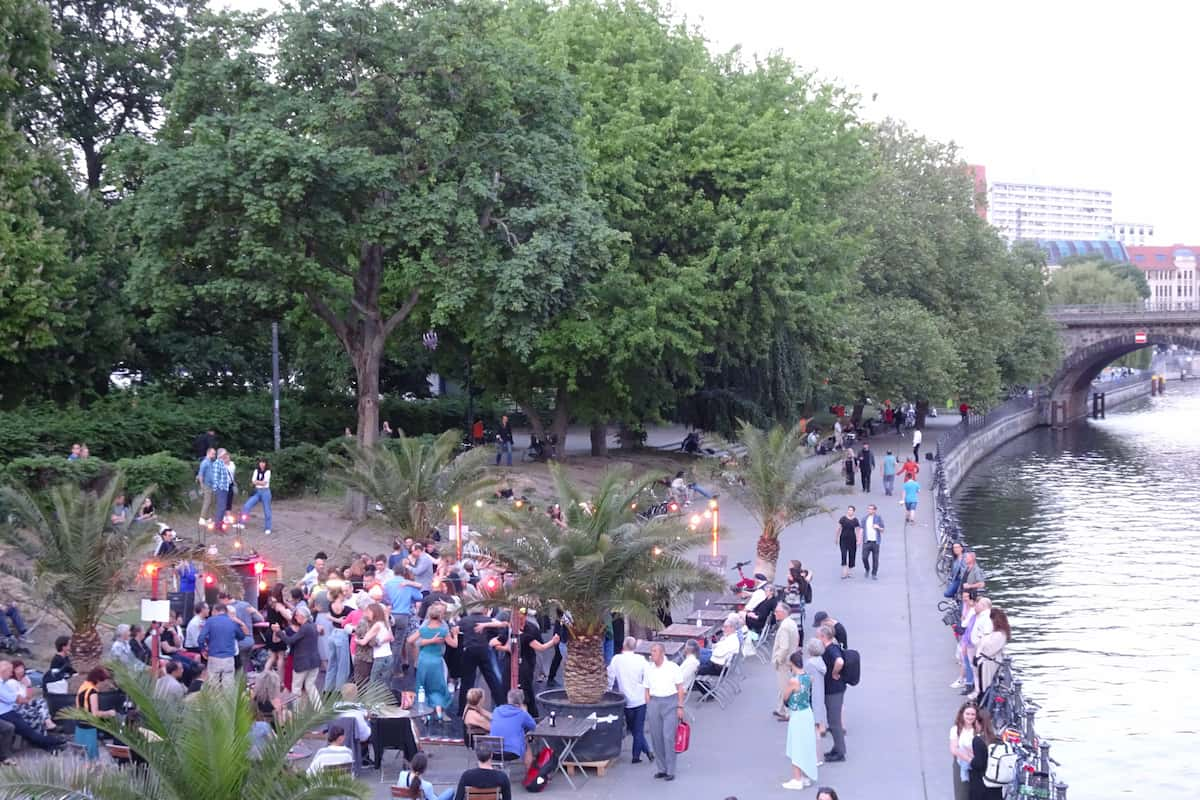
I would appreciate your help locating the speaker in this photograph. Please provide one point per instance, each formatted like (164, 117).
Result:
(182, 603)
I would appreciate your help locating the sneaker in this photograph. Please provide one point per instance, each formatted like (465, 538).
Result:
(967, 690)
(795, 784)
(202, 522)
(958, 684)
(267, 532)
(834, 757)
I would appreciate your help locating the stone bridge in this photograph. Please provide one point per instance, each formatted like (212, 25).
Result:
(1095, 336)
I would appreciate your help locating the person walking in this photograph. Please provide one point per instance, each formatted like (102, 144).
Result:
(911, 490)
(664, 689)
(872, 537)
(889, 473)
(866, 465)
(801, 733)
(835, 692)
(962, 734)
(917, 444)
(848, 465)
(787, 640)
(504, 441)
(846, 538)
(260, 479)
(627, 672)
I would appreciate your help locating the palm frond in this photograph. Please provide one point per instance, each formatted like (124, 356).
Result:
(70, 778)
(780, 485)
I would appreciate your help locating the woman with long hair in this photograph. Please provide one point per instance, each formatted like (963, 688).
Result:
(276, 647)
(260, 481)
(962, 734)
(268, 696)
(801, 732)
(366, 643)
(412, 780)
(985, 737)
(431, 640)
(848, 463)
(990, 651)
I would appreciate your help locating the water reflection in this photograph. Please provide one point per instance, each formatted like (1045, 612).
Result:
(1091, 539)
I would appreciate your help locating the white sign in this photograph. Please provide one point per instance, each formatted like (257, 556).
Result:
(452, 531)
(602, 720)
(156, 611)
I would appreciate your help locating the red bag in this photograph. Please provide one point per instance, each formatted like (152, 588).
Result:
(683, 737)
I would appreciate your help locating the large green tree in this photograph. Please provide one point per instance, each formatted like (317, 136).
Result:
(369, 162)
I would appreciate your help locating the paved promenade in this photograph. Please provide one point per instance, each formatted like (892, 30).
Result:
(897, 717)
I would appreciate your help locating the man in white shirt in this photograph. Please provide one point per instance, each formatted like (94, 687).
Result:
(787, 639)
(691, 662)
(871, 534)
(191, 635)
(917, 444)
(333, 753)
(664, 689)
(724, 650)
(759, 594)
(627, 671)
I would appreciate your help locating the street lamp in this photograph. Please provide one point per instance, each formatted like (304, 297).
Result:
(151, 569)
(458, 532)
(715, 508)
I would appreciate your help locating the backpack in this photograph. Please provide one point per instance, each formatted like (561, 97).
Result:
(1001, 768)
(538, 774)
(851, 667)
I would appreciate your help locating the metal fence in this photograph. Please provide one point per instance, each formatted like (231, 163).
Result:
(1122, 308)
(978, 422)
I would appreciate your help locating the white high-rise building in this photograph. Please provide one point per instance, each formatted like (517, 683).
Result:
(1135, 234)
(1032, 211)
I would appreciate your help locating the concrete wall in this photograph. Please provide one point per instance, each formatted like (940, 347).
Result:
(959, 461)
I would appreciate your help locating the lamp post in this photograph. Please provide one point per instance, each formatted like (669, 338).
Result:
(715, 508)
(152, 571)
(458, 532)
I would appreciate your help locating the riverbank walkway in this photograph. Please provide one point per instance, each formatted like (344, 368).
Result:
(897, 717)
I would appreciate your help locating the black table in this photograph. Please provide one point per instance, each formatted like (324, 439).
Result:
(567, 730)
(395, 731)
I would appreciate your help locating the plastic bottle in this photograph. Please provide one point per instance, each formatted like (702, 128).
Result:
(421, 696)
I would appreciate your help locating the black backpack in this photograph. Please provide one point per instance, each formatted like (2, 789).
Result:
(851, 667)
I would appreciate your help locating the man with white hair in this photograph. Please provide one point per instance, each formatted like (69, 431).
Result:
(627, 672)
(664, 689)
(306, 655)
(787, 639)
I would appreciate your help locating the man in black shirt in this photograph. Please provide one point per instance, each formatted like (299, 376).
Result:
(847, 540)
(483, 776)
(504, 441)
(835, 691)
(475, 631)
(531, 645)
(839, 630)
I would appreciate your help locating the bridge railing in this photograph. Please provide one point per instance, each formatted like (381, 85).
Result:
(1123, 308)
(1139, 376)
(977, 422)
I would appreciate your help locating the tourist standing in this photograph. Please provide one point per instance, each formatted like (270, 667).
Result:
(204, 477)
(222, 480)
(866, 465)
(801, 733)
(846, 538)
(872, 538)
(962, 734)
(835, 692)
(260, 479)
(627, 672)
(504, 441)
(990, 650)
(980, 628)
(664, 690)
(917, 444)
(787, 640)
(814, 665)
(985, 737)
(848, 465)
(837, 433)
(889, 473)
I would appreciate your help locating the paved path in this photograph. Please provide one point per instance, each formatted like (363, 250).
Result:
(897, 716)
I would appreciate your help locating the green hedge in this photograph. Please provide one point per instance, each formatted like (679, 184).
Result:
(172, 476)
(294, 471)
(128, 424)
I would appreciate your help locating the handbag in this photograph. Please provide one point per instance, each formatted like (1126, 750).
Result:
(683, 737)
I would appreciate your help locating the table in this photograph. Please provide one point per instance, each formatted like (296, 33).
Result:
(686, 630)
(716, 615)
(568, 731)
(394, 730)
(670, 649)
(728, 601)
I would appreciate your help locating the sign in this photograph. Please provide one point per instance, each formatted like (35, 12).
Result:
(716, 564)
(1139, 337)
(156, 611)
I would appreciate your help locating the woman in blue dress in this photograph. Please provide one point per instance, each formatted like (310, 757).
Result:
(801, 732)
(431, 640)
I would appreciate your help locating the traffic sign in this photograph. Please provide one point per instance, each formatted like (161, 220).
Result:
(1139, 337)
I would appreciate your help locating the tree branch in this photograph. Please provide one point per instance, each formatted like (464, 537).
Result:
(327, 315)
(402, 314)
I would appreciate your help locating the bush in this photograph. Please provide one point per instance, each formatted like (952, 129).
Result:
(294, 471)
(42, 472)
(172, 477)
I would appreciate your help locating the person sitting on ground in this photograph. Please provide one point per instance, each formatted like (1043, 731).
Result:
(10, 613)
(412, 779)
(261, 732)
(512, 722)
(477, 720)
(60, 668)
(33, 710)
(170, 686)
(121, 651)
(723, 651)
(483, 776)
(120, 511)
(332, 754)
(349, 706)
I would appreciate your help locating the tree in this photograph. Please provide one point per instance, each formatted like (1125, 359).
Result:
(1091, 282)
(114, 62)
(602, 562)
(778, 489)
(903, 350)
(196, 749)
(1122, 269)
(80, 562)
(370, 162)
(417, 479)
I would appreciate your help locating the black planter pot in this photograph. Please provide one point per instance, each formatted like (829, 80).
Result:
(605, 740)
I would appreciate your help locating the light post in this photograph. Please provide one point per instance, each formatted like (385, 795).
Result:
(152, 571)
(715, 508)
(458, 532)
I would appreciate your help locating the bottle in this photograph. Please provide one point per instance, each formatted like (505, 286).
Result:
(421, 696)
(552, 713)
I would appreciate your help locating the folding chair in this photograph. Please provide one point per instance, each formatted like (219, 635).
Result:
(719, 687)
(766, 640)
(343, 768)
(120, 753)
(478, 793)
(497, 745)
(405, 793)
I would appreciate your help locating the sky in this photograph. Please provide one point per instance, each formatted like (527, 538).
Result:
(1094, 94)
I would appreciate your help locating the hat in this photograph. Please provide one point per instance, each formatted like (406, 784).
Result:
(818, 618)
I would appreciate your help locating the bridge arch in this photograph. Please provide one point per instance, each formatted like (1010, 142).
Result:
(1072, 382)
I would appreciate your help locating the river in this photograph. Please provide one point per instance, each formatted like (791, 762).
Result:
(1091, 542)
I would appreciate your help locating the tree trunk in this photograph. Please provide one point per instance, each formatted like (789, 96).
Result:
(584, 675)
(367, 362)
(561, 418)
(922, 412)
(87, 651)
(766, 555)
(857, 413)
(599, 435)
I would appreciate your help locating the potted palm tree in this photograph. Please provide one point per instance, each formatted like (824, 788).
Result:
(79, 560)
(599, 562)
(415, 479)
(777, 488)
(200, 748)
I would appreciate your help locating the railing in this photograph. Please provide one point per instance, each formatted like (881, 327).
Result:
(977, 422)
(1122, 308)
(1129, 380)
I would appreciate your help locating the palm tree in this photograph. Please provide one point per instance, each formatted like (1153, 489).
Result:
(198, 749)
(415, 479)
(777, 488)
(79, 560)
(602, 561)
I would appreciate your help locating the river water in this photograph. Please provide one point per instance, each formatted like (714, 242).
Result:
(1091, 541)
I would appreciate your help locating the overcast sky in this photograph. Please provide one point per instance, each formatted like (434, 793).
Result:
(1094, 94)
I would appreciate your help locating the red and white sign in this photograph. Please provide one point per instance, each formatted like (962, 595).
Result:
(1139, 337)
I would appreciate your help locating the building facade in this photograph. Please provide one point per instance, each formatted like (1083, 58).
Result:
(1171, 273)
(1033, 211)
(1135, 234)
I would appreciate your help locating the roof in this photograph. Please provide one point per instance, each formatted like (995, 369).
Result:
(1160, 257)
(1058, 249)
